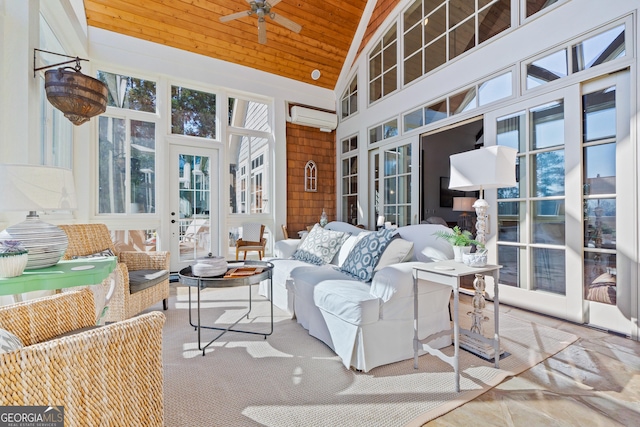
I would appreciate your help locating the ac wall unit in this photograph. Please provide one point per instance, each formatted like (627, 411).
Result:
(314, 118)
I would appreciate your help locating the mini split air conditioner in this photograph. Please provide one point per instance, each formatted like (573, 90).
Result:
(318, 119)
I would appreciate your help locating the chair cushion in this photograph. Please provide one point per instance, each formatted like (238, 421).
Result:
(9, 342)
(100, 254)
(320, 246)
(143, 279)
(365, 255)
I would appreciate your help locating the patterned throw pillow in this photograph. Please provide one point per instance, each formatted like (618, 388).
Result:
(364, 256)
(9, 342)
(105, 253)
(320, 245)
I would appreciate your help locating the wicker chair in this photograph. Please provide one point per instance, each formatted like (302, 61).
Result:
(105, 376)
(87, 239)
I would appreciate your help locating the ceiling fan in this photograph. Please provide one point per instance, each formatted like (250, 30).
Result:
(262, 8)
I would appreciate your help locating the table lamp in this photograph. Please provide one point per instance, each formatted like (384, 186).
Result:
(464, 205)
(34, 188)
(482, 169)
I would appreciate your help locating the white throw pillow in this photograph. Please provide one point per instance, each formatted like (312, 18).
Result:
(9, 342)
(398, 250)
(320, 246)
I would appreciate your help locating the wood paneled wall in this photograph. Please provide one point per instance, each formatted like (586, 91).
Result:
(304, 208)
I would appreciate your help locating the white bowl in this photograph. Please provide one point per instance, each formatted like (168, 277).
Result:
(475, 259)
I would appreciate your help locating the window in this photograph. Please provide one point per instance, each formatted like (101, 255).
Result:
(249, 190)
(311, 176)
(599, 194)
(127, 147)
(481, 94)
(599, 49)
(249, 114)
(436, 31)
(397, 185)
(126, 166)
(129, 92)
(248, 156)
(535, 6)
(349, 173)
(596, 50)
(538, 134)
(350, 99)
(384, 131)
(383, 66)
(193, 113)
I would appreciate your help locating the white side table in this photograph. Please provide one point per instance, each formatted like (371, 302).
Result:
(449, 273)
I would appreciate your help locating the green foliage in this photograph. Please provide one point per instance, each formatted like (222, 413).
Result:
(458, 237)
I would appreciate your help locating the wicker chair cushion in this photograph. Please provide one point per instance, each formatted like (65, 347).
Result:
(9, 342)
(103, 253)
(143, 279)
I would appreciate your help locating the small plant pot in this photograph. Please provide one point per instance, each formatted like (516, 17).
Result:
(12, 265)
(459, 251)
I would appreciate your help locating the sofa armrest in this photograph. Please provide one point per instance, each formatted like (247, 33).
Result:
(136, 260)
(392, 281)
(285, 248)
(41, 319)
(101, 376)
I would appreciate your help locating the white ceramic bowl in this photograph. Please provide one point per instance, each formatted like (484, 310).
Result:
(475, 259)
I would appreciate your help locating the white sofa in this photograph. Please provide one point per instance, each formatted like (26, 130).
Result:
(367, 324)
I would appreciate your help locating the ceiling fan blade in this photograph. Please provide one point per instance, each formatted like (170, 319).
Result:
(262, 31)
(286, 22)
(236, 15)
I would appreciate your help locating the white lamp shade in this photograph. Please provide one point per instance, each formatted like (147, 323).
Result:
(36, 188)
(489, 167)
(463, 204)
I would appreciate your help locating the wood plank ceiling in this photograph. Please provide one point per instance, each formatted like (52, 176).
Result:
(328, 27)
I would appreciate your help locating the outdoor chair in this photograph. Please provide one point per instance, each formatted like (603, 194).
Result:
(102, 375)
(252, 240)
(142, 278)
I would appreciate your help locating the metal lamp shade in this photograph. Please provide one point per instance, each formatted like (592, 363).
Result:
(78, 96)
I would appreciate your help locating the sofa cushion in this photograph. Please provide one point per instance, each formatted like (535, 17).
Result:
(365, 255)
(320, 246)
(427, 247)
(346, 247)
(348, 300)
(398, 250)
(9, 342)
(305, 279)
(143, 279)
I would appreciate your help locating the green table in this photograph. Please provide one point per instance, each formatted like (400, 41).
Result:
(65, 274)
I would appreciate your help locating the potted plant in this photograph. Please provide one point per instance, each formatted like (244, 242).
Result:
(461, 240)
(13, 258)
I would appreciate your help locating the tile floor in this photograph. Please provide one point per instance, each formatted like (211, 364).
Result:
(593, 382)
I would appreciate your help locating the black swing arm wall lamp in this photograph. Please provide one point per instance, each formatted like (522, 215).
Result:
(78, 96)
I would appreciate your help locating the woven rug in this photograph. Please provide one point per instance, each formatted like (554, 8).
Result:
(293, 379)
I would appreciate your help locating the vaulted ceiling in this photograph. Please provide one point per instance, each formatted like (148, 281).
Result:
(328, 28)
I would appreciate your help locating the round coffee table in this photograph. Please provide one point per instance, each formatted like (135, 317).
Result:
(239, 273)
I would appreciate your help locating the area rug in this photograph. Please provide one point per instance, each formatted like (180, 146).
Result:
(292, 379)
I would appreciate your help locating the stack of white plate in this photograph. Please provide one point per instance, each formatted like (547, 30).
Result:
(209, 266)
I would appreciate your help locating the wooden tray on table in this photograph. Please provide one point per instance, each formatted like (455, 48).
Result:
(243, 272)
